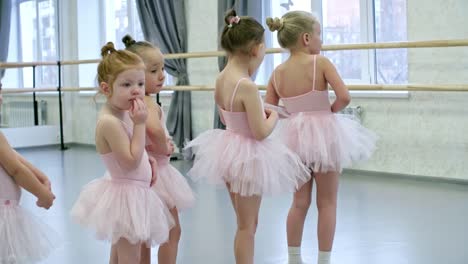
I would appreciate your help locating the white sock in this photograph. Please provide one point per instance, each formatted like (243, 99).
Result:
(324, 257)
(294, 255)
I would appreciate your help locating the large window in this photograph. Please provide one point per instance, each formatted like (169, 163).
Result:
(341, 23)
(354, 21)
(33, 37)
(120, 18)
(390, 25)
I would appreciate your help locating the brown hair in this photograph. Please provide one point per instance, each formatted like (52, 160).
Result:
(240, 34)
(136, 47)
(291, 26)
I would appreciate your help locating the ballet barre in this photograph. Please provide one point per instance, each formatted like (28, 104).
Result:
(208, 88)
(210, 54)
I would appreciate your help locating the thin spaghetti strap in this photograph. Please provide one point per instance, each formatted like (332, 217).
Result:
(97, 126)
(234, 93)
(315, 70)
(275, 86)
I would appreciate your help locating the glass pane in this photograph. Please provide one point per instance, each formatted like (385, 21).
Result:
(38, 41)
(391, 25)
(342, 25)
(121, 25)
(47, 76)
(136, 22)
(88, 74)
(11, 77)
(28, 39)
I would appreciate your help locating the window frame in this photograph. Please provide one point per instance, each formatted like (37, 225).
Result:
(16, 44)
(368, 57)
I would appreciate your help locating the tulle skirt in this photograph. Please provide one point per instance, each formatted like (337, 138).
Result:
(326, 141)
(24, 238)
(171, 185)
(251, 167)
(128, 209)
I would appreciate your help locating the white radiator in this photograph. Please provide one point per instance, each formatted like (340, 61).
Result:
(21, 114)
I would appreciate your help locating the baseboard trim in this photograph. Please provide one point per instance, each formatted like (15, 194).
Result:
(405, 176)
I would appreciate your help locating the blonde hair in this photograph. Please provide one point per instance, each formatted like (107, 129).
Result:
(241, 35)
(114, 62)
(291, 26)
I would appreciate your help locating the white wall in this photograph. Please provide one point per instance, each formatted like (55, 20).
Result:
(428, 133)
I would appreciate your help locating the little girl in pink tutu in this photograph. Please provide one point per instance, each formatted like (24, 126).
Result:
(172, 186)
(122, 208)
(325, 141)
(24, 238)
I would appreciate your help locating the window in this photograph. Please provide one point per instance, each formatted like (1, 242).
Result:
(351, 21)
(121, 18)
(390, 25)
(33, 37)
(341, 23)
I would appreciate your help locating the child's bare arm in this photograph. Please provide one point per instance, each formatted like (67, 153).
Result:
(38, 173)
(22, 175)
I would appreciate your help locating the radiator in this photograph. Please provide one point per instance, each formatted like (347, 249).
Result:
(21, 113)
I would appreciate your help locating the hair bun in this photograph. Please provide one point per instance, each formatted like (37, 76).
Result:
(128, 41)
(229, 15)
(107, 49)
(275, 23)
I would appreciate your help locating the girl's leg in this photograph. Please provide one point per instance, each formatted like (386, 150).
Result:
(167, 253)
(127, 253)
(145, 254)
(327, 190)
(297, 214)
(113, 255)
(295, 222)
(247, 209)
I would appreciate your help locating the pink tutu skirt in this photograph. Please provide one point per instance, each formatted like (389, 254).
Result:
(24, 238)
(128, 209)
(171, 186)
(251, 167)
(326, 141)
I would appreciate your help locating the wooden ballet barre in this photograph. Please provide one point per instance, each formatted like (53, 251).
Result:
(27, 90)
(195, 88)
(77, 62)
(48, 89)
(208, 88)
(8, 65)
(78, 89)
(399, 45)
(409, 87)
(334, 47)
(352, 87)
(357, 46)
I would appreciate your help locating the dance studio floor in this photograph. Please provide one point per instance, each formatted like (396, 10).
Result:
(381, 220)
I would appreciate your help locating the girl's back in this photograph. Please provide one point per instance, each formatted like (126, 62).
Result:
(296, 76)
(226, 83)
